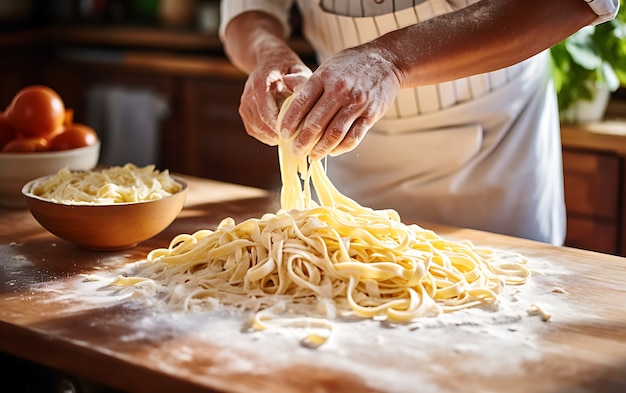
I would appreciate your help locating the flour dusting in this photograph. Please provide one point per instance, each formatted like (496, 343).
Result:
(384, 355)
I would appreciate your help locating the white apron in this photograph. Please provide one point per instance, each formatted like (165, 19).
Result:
(481, 152)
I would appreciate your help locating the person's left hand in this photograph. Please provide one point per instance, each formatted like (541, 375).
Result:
(274, 78)
(340, 102)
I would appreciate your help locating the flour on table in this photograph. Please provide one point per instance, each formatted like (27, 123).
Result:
(358, 347)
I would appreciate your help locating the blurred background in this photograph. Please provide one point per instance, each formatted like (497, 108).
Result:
(149, 76)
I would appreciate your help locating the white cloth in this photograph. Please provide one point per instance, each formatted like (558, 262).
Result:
(128, 123)
(605, 9)
(482, 152)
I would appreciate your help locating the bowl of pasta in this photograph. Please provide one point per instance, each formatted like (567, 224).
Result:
(16, 169)
(106, 209)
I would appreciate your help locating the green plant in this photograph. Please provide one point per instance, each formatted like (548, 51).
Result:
(592, 57)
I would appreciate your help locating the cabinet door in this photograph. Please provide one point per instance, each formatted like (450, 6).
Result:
(133, 118)
(591, 234)
(18, 68)
(592, 187)
(217, 145)
(592, 183)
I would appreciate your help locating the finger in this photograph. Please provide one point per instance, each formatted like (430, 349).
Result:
(256, 127)
(297, 78)
(266, 106)
(353, 137)
(317, 125)
(336, 131)
(302, 102)
(262, 134)
(329, 122)
(343, 134)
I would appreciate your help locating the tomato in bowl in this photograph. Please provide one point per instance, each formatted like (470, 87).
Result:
(38, 137)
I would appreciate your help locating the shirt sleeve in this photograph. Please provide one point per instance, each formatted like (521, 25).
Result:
(277, 8)
(605, 9)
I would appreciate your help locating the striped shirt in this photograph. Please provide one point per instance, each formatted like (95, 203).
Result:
(481, 152)
(605, 9)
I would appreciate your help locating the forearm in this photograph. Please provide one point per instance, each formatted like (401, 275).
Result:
(484, 37)
(251, 35)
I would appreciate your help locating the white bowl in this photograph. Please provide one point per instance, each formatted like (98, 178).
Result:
(17, 169)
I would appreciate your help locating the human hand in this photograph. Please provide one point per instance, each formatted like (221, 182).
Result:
(274, 79)
(340, 102)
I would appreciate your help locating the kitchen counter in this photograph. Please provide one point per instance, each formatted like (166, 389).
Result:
(607, 136)
(55, 312)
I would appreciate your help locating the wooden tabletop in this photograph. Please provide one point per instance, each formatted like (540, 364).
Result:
(53, 312)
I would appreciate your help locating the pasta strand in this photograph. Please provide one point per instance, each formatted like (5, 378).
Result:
(310, 255)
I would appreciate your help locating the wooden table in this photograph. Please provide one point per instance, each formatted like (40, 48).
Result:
(52, 315)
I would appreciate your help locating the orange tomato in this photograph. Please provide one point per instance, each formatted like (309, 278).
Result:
(7, 132)
(69, 116)
(26, 145)
(73, 136)
(36, 110)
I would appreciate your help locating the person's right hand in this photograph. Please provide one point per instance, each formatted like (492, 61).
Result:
(278, 72)
(341, 101)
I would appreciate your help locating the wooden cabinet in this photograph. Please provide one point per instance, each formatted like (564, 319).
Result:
(20, 64)
(216, 144)
(593, 166)
(202, 134)
(592, 187)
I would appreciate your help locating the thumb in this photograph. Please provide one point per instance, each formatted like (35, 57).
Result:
(293, 80)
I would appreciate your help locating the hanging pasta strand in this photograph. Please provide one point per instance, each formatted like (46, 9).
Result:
(328, 258)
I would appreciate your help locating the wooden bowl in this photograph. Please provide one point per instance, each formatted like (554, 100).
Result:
(109, 227)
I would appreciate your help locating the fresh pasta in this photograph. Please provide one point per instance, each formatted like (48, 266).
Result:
(116, 184)
(325, 257)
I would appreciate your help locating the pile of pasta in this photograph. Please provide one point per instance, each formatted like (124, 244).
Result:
(115, 184)
(325, 257)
